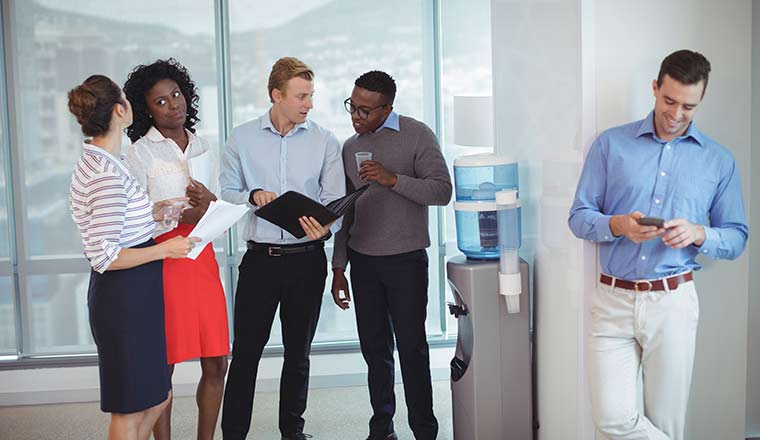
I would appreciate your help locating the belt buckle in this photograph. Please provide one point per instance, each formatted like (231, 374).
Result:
(274, 251)
(636, 286)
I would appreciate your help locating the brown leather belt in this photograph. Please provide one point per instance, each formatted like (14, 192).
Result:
(646, 286)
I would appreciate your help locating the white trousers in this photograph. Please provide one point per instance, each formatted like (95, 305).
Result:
(654, 331)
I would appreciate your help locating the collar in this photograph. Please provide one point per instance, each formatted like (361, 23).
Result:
(647, 127)
(390, 122)
(266, 123)
(154, 135)
(90, 148)
(93, 149)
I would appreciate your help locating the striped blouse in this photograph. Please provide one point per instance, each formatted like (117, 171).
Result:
(109, 207)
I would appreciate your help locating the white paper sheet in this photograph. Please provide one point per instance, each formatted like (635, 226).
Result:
(201, 168)
(219, 217)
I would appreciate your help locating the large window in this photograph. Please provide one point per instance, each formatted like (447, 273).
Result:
(8, 318)
(51, 46)
(465, 70)
(339, 40)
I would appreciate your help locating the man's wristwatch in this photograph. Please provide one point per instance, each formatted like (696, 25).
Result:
(250, 196)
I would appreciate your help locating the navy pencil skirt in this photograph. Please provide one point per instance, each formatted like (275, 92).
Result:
(127, 322)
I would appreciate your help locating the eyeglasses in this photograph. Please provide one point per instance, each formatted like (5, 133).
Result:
(362, 112)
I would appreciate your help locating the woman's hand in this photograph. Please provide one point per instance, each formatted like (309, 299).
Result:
(198, 194)
(179, 246)
(158, 207)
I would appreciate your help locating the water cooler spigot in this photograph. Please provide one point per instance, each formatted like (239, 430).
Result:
(508, 219)
(458, 310)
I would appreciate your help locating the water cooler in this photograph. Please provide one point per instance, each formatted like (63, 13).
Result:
(491, 372)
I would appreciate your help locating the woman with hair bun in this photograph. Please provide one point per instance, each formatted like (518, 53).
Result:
(165, 113)
(125, 299)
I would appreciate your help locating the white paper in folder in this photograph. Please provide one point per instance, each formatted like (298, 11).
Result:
(219, 217)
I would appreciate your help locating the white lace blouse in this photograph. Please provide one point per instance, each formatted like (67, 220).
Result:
(163, 169)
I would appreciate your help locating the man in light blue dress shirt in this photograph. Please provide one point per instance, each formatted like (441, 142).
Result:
(645, 308)
(280, 151)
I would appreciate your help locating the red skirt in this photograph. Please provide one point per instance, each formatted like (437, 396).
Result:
(195, 306)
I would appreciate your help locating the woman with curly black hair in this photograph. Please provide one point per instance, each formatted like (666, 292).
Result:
(165, 107)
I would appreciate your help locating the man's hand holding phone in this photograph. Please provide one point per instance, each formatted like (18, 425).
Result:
(629, 226)
(676, 233)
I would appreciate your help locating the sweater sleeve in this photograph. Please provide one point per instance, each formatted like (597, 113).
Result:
(431, 184)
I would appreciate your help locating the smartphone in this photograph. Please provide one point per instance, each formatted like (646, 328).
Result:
(651, 221)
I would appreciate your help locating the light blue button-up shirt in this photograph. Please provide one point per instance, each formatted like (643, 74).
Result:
(390, 122)
(307, 159)
(693, 177)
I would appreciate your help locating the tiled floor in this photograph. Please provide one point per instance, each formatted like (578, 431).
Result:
(332, 414)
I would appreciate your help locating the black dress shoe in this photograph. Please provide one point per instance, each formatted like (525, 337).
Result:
(297, 436)
(391, 436)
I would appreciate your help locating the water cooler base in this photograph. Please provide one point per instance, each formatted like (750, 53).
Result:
(492, 394)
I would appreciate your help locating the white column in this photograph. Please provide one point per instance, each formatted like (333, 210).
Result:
(539, 100)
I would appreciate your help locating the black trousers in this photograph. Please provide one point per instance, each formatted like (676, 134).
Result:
(296, 282)
(390, 297)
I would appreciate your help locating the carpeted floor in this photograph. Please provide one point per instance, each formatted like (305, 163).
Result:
(332, 414)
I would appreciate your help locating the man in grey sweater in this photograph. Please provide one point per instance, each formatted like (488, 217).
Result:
(384, 238)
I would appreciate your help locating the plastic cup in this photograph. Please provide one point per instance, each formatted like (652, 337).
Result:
(171, 215)
(361, 156)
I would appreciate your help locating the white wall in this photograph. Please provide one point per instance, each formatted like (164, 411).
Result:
(632, 38)
(563, 71)
(539, 107)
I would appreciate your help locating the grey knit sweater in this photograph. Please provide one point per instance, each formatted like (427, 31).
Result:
(390, 221)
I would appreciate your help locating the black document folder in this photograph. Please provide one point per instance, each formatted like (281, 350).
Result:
(285, 210)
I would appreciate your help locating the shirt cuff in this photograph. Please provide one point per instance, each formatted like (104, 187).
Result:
(710, 245)
(108, 255)
(250, 197)
(602, 229)
(398, 179)
(339, 262)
